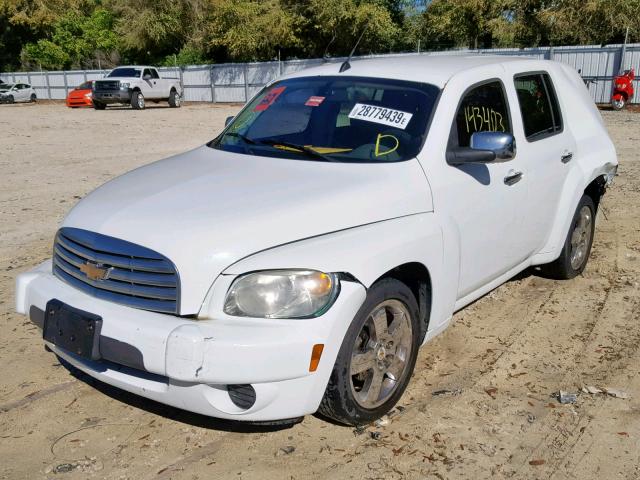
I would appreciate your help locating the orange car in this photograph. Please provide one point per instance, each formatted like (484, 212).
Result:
(81, 95)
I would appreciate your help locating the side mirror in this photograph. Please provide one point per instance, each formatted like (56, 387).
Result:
(147, 77)
(503, 145)
(485, 147)
(228, 120)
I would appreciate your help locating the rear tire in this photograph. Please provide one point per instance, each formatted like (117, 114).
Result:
(99, 106)
(137, 100)
(33, 98)
(174, 99)
(577, 245)
(377, 356)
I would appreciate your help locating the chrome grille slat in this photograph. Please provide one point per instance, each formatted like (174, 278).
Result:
(142, 303)
(137, 276)
(113, 260)
(160, 293)
(147, 278)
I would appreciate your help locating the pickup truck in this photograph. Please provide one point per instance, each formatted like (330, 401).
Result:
(297, 261)
(134, 85)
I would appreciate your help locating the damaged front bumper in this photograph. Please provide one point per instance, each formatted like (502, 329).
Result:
(197, 364)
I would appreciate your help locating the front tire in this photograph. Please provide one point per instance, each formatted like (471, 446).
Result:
(10, 99)
(99, 106)
(577, 245)
(377, 356)
(619, 104)
(137, 101)
(174, 99)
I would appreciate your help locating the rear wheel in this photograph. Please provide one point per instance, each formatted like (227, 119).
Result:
(99, 106)
(577, 245)
(174, 99)
(137, 101)
(377, 356)
(33, 98)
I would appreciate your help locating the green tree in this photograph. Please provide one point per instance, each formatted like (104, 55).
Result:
(76, 42)
(457, 23)
(248, 30)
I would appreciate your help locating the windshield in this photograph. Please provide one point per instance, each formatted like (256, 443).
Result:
(125, 72)
(5, 87)
(343, 119)
(84, 86)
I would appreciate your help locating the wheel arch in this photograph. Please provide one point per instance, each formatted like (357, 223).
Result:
(416, 276)
(595, 190)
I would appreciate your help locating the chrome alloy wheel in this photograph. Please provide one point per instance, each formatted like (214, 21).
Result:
(618, 104)
(140, 101)
(581, 238)
(380, 354)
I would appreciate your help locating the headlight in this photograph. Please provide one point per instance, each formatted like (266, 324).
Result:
(622, 85)
(281, 294)
(88, 95)
(124, 85)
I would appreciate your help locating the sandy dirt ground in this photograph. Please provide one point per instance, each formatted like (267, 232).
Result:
(500, 361)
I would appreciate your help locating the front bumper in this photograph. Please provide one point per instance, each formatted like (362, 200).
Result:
(112, 96)
(79, 101)
(189, 363)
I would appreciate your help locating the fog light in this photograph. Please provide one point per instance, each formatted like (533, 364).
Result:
(316, 353)
(242, 396)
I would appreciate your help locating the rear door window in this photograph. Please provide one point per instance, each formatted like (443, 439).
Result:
(539, 107)
(483, 109)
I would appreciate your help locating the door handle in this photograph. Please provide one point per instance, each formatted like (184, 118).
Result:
(513, 177)
(566, 158)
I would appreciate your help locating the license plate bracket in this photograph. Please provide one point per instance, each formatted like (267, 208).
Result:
(72, 329)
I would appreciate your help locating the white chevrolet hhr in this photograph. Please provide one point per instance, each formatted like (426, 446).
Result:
(296, 263)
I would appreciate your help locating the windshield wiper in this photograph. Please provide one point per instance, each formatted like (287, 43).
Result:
(242, 137)
(310, 152)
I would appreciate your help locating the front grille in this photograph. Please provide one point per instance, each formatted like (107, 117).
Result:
(107, 85)
(137, 276)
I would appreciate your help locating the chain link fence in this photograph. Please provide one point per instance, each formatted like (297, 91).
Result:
(238, 82)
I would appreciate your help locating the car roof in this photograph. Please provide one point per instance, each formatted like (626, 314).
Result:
(134, 66)
(433, 69)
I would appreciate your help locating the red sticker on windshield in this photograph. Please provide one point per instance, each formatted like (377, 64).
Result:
(314, 101)
(269, 98)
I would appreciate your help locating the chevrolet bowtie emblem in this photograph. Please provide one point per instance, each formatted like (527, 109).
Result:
(95, 271)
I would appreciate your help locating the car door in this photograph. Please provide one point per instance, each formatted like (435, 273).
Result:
(159, 85)
(20, 93)
(483, 199)
(146, 85)
(547, 150)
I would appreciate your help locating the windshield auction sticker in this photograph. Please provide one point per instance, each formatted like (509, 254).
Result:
(269, 98)
(385, 116)
(314, 101)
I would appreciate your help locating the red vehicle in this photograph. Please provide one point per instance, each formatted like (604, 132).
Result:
(81, 95)
(622, 89)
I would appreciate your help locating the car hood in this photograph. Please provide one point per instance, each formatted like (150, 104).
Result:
(119, 79)
(206, 209)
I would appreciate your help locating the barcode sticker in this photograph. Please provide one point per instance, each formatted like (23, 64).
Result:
(382, 115)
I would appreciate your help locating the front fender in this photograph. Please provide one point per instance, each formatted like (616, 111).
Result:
(367, 252)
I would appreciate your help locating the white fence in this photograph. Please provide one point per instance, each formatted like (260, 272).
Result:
(237, 82)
